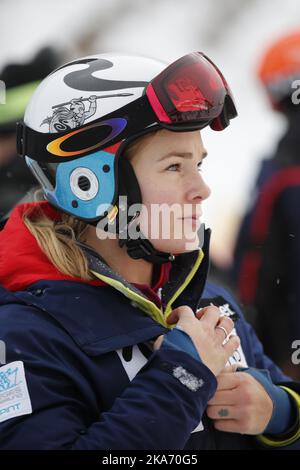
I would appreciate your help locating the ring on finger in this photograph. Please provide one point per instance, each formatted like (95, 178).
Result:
(223, 329)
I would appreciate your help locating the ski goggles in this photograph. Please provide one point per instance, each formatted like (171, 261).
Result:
(192, 92)
(187, 95)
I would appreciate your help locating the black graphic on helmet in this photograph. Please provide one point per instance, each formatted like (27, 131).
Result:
(85, 81)
(64, 118)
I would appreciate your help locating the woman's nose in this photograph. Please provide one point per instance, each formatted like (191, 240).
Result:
(197, 188)
(205, 190)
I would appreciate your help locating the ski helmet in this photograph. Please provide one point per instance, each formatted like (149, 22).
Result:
(279, 67)
(83, 116)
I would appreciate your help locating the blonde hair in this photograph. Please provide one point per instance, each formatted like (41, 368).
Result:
(58, 241)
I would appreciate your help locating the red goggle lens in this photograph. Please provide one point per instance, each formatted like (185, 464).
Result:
(189, 90)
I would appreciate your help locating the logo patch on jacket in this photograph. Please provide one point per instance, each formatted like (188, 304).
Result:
(133, 358)
(14, 396)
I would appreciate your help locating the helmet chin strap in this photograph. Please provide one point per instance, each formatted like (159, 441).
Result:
(142, 248)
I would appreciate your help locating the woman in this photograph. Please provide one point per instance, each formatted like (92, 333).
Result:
(114, 340)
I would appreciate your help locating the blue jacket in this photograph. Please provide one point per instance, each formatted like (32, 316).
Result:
(92, 378)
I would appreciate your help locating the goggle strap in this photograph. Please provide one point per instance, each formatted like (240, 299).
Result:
(34, 144)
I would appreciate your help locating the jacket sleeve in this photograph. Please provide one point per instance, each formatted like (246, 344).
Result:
(158, 410)
(290, 439)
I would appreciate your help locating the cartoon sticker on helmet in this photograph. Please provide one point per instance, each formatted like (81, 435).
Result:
(64, 118)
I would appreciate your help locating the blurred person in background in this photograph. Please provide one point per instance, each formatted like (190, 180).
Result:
(267, 251)
(20, 82)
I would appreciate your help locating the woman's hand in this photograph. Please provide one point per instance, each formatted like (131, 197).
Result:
(240, 404)
(207, 331)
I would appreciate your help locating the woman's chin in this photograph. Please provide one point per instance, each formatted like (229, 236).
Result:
(177, 247)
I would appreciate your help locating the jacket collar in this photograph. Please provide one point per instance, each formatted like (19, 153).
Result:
(184, 286)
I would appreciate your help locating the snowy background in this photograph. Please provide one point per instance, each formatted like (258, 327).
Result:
(234, 33)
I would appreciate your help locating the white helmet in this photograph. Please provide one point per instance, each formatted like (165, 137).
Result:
(83, 115)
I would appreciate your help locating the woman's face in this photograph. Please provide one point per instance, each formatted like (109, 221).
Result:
(168, 168)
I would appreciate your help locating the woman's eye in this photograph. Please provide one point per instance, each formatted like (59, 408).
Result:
(174, 167)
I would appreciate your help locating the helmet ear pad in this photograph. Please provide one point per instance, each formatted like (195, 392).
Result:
(128, 184)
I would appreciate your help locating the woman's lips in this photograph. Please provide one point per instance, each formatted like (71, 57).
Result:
(194, 217)
(194, 220)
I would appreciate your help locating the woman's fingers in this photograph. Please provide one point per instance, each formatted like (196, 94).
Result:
(208, 330)
(201, 312)
(224, 328)
(223, 324)
(178, 313)
(231, 345)
(210, 315)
